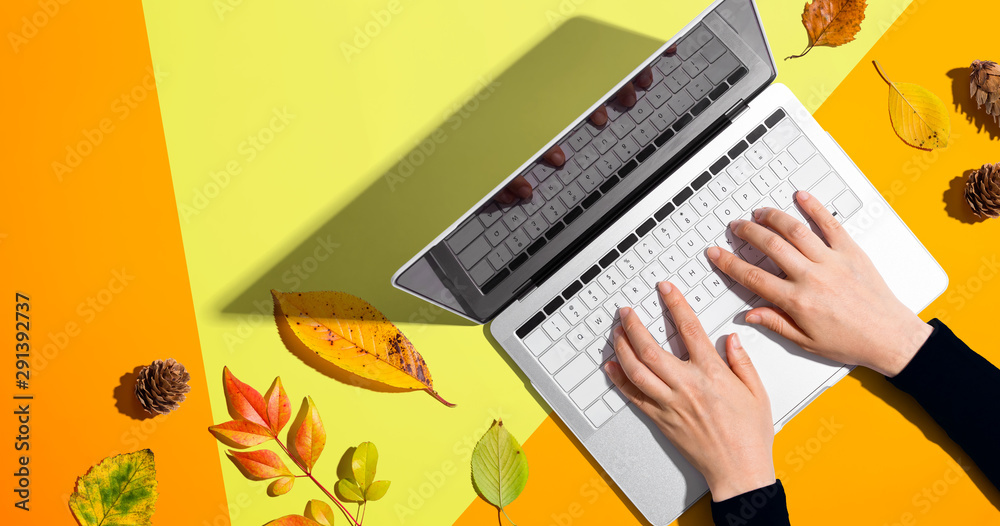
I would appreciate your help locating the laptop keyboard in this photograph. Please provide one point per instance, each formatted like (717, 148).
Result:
(498, 239)
(570, 336)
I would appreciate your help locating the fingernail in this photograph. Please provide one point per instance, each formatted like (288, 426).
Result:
(802, 195)
(608, 368)
(753, 318)
(735, 223)
(666, 287)
(736, 341)
(758, 213)
(714, 253)
(624, 311)
(525, 192)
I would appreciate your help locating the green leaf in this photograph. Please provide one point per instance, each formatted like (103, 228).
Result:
(499, 467)
(320, 512)
(349, 490)
(120, 490)
(377, 490)
(363, 465)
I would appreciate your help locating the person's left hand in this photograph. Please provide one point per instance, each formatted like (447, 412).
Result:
(717, 415)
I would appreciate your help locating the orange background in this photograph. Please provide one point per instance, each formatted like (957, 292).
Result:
(64, 240)
(885, 462)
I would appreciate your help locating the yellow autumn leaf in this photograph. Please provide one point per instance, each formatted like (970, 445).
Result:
(119, 490)
(832, 22)
(919, 117)
(350, 333)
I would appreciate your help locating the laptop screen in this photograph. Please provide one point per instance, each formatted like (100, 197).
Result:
(608, 157)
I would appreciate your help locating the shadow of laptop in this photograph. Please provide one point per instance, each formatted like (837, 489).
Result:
(481, 141)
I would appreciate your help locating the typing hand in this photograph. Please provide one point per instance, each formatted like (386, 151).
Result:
(834, 302)
(520, 188)
(717, 414)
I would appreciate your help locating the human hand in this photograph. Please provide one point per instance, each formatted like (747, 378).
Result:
(520, 188)
(717, 415)
(833, 301)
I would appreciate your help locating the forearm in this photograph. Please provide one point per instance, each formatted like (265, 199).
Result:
(760, 507)
(960, 390)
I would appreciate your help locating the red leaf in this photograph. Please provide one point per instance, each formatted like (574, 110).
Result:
(279, 409)
(293, 520)
(244, 400)
(261, 464)
(310, 437)
(242, 433)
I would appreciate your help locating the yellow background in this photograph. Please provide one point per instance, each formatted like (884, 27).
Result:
(320, 182)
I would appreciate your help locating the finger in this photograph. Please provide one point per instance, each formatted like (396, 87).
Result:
(832, 230)
(771, 244)
(692, 333)
(756, 280)
(600, 116)
(505, 196)
(645, 380)
(520, 187)
(621, 381)
(671, 51)
(645, 78)
(646, 348)
(626, 95)
(555, 156)
(780, 322)
(742, 367)
(794, 231)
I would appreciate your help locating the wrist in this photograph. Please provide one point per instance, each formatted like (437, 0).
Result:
(729, 487)
(912, 336)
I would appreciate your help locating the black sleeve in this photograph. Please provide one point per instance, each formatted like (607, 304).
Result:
(760, 507)
(960, 390)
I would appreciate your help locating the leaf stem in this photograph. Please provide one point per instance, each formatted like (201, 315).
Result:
(363, 510)
(800, 55)
(321, 487)
(505, 515)
(438, 397)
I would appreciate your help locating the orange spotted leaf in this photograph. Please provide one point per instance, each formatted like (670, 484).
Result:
(278, 408)
(241, 433)
(350, 333)
(261, 464)
(832, 22)
(310, 437)
(282, 485)
(244, 400)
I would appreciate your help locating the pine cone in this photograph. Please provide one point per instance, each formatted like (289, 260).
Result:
(982, 191)
(161, 386)
(984, 86)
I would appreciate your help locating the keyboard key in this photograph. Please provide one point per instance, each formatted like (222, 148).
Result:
(653, 307)
(809, 173)
(599, 322)
(710, 227)
(721, 69)
(721, 186)
(698, 88)
(615, 302)
(556, 326)
(608, 165)
(605, 141)
(611, 279)
(568, 172)
(513, 217)
(626, 149)
(574, 310)
(518, 241)
(662, 119)
(704, 201)
(591, 389)
(592, 295)
(535, 226)
(537, 342)
(783, 195)
(692, 273)
(695, 65)
(713, 50)
(758, 155)
(668, 64)
(648, 249)
(666, 233)
(629, 264)
(598, 413)
(572, 194)
(575, 371)
(676, 80)
(622, 126)
(746, 197)
(658, 95)
(750, 254)
(698, 298)
(740, 170)
(586, 156)
(653, 274)
(579, 139)
(801, 149)
(730, 241)
(716, 283)
(465, 234)
(728, 211)
(644, 134)
(640, 111)
(474, 252)
(672, 258)
(550, 188)
(781, 135)
(680, 103)
(590, 180)
(635, 290)
(684, 217)
(765, 181)
(847, 204)
(499, 257)
(580, 336)
(828, 188)
(481, 272)
(557, 356)
(782, 165)
(691, 243)
(553, 211)
(662, 328)
(693, 42)
(615, 400)
(601, 350)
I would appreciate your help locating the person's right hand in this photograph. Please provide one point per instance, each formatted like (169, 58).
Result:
(833, 301)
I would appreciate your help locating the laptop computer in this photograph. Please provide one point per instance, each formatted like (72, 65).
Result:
(638, 200)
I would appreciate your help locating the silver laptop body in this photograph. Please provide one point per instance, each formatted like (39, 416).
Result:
(549, 273)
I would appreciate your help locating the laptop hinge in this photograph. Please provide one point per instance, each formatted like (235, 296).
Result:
(524, 289)
(737, 110)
